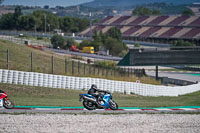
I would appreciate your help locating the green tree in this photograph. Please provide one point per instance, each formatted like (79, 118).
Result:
(7, 22)
(180, 43)
(16, 17)
(57, 41)
(142, 11)
(39, 15)
(114, 46)
(137, 45)
(66, 24)
(188, 12)
(114, 33)
(81, 24)
(69, 43)
(85, 43)
(32, 20)
(156, 12)
(51, 20)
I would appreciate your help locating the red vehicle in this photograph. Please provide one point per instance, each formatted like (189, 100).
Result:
(74, 48)
(7, 103)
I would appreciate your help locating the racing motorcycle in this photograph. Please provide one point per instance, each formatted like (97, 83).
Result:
(7, 103)
(104, 101)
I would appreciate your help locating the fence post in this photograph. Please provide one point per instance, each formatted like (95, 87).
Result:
(65, 65)
(72, 67)
(107, 72)
(131, 72)
(7, 59)
(78, 67)
(128, 72)
(84, 69)
(52, 64)
(94, 70)
(89, 69)
(31, 61)
(125, 72)
(98, 70)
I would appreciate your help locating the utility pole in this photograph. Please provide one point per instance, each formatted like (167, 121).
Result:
(45, 17)
(35, 28)
(49, 27)
(90, 15)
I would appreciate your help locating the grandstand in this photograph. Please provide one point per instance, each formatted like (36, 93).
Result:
(151, 28)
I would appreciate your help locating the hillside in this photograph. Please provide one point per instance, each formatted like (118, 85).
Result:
(123, 3)
(20, 59)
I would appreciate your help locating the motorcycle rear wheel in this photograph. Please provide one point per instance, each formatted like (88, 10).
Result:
(89, 105)
(8, 104)
(113, 104)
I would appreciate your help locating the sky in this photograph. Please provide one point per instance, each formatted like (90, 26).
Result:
(51, 3)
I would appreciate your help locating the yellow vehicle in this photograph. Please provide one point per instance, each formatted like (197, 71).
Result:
(88, 49)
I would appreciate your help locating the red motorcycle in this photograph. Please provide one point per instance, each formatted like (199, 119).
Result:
(7, 103)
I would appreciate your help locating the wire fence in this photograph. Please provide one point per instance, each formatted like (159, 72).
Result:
(61, 65)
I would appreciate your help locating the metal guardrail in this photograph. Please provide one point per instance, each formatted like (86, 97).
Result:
(22, 41)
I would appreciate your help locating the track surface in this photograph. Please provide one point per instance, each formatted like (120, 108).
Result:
(43, 109)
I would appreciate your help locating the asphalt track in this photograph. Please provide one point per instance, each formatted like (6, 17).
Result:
(121, 110)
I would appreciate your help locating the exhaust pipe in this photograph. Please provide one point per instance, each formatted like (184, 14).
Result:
(89, 99)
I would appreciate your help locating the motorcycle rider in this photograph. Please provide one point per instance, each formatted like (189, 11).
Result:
(2, 94)
(93, 90)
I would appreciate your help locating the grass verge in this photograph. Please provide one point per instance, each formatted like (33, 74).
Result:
(40, 96)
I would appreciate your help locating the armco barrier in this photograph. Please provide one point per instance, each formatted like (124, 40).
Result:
(79, 83)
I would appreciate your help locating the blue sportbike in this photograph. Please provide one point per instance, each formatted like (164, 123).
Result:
(102, 102)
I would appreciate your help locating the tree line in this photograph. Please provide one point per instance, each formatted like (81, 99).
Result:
(144, 11)
(41, 21)
(112, 41)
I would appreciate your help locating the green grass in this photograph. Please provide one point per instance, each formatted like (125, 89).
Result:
(40, 96)
(20, 59)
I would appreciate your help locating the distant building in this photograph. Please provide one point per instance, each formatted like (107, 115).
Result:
(195, 7)
(161, 29)
(195, 4)
(5, 10)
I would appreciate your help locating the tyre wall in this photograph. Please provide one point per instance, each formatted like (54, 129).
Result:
(80, 83)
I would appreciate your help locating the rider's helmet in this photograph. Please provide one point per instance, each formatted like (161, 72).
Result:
(94, 87)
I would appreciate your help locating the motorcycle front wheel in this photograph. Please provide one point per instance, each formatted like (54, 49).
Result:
(113, 104)
(8, 104)
(89, 105)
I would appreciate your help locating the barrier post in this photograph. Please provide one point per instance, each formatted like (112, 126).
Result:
(78, 67)
(72, 67)
(7, 59)
(65, 66)
(31, 61)
(52, 64)
(84, 68)
(94, 70)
